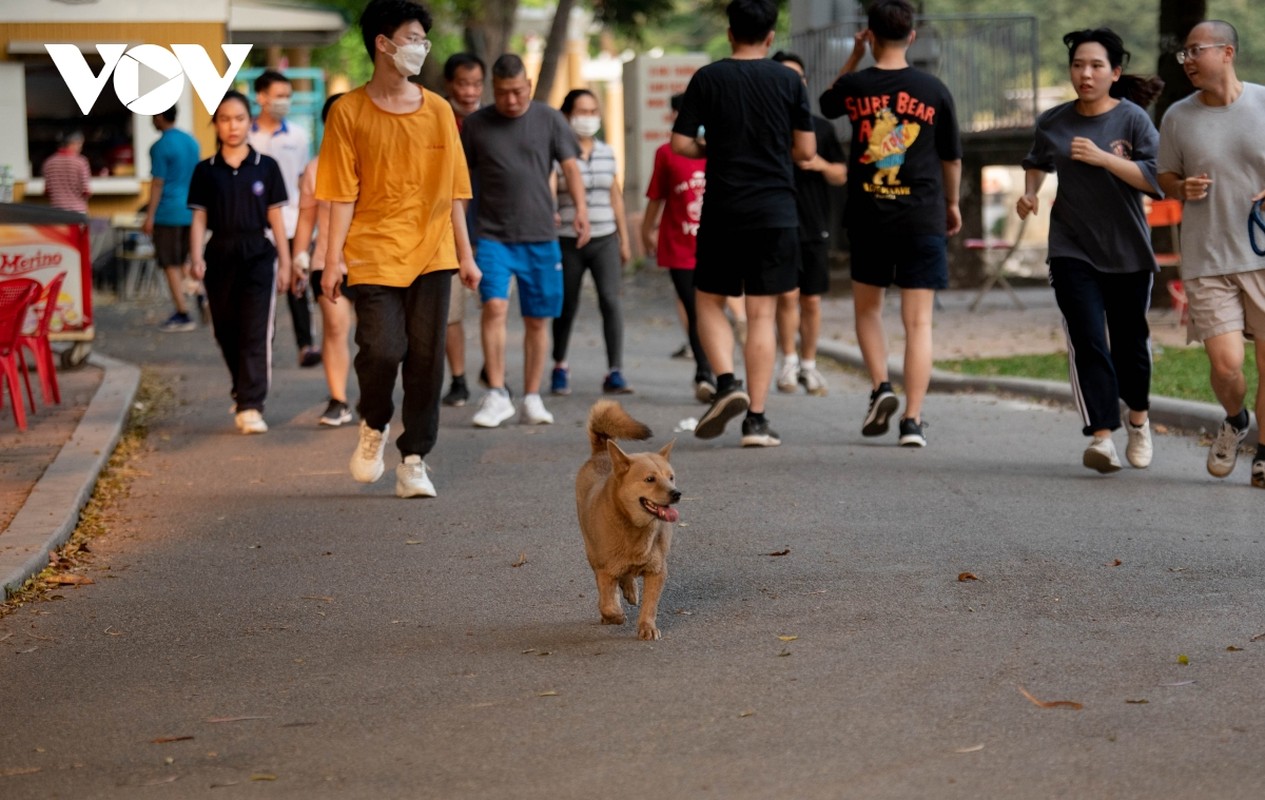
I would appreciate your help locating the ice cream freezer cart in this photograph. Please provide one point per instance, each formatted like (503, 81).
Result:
(39, 243)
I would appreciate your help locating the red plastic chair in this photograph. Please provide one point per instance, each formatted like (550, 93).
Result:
(37, 341)
(15, 297)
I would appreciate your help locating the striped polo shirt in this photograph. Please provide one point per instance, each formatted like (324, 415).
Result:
(66, 181)
(598, 174)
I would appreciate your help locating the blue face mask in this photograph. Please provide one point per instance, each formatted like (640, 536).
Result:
(1256, 223)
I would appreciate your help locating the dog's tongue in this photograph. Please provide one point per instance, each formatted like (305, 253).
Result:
(668, 514)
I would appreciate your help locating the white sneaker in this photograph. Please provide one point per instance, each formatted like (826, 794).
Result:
(411, 479)
(813, 382)
(366, 462)
(1101, 455)
(1224, 453)
(534, 412)
(250, 421)
(1139, 449)
(494, 408)
(788, 376)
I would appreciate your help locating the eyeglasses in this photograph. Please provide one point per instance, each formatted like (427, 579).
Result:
(414, 41)
(1192, 52)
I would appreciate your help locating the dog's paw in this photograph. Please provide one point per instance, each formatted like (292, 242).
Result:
(630, 595)
(648, 631)
(614, 620)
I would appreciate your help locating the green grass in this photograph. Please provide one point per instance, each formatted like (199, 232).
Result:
(1178, 372)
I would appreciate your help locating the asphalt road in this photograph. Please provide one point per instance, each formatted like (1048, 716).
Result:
(312, 637)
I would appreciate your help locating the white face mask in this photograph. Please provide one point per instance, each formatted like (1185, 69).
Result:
(279, 107)
(409, 58)
(586, 126)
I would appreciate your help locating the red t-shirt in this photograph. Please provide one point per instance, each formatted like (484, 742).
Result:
(679, 182)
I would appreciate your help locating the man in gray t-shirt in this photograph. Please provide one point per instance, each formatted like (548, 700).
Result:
(511, 147)
(1211, 157)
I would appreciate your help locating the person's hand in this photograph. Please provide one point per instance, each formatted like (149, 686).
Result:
(1026, 205)
(285, 275)
(582, 233)
(332, 281)
(860, 40)
(1196, 188)
(469, 273)
(147, 227)
(953, 219)
(302, 262)
(814, 164)
(625, 252)
(1086, 151)
(197, 268)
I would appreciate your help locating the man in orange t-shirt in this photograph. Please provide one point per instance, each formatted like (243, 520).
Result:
(394, 173)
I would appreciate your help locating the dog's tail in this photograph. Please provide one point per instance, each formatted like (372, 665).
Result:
(609, 420)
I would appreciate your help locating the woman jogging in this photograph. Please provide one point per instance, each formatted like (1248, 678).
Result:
(604, 255)
(1103, 148)
(237, 195)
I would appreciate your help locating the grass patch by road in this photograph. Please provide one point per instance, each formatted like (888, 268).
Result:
(1180, 372)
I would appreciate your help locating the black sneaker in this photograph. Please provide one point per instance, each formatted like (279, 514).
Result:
(458, 394)
(336, 413)
(883, 404)
(757, 433)
(912, 433)
(726, 405)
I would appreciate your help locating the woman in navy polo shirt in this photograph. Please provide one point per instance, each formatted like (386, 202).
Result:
(237, 194)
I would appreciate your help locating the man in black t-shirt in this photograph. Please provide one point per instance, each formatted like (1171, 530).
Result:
(800, 310)
(905, 167)
(748, 117)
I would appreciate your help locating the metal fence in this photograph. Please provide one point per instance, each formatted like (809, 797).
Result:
(989, 63)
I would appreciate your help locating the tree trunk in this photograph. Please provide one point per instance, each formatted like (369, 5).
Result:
(1177, 17)
(487, 33)
(555, 46)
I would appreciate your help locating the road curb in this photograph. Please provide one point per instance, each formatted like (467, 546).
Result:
(51, 511)
(1183, 414)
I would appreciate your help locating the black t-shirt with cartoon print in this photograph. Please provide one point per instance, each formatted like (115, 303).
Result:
(903, 126)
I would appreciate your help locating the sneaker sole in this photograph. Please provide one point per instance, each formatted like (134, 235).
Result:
(913, 441)
(788, 388)
(1222, 471)
(404, 491)
(491, 424)
(704, 394)
(879, 420)
(456, 403)
(334, 422)
(1099, 462)
(717, 417)
(179, 328)
(625, 390)
(760, 440)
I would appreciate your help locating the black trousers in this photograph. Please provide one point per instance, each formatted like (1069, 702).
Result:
(683, 282)
(1108, 339)
(601, 257)
(242, 293)
(300, 314)
(405, 326)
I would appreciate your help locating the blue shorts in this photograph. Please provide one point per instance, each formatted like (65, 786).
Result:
(535, 266)
(910, 262)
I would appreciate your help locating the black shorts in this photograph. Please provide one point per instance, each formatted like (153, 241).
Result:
(171, 245)
(314, 280)
(754, 261)
(880, 258)
(814, 267)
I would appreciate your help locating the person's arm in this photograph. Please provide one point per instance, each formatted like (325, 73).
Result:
(335, 239)
(1182, 188)
(650, 226)
(1087, 152)
(621, 223)
(835, 172)
(468, 272)
(575, 188)
(277, 223)
(952, 173)
(861, 41)
(803, 145)
(197, 244)
(151, 206)
(1032, 182)
(302, 242)
(688, 146)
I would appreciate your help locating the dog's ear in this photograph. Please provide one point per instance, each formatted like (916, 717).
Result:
(666, 452)
(619, 459)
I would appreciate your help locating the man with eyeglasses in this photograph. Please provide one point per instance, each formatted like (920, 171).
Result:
(394, 174)
(1211, 158)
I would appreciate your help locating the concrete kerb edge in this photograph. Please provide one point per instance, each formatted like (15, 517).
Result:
(1183, 414)
(51, 512)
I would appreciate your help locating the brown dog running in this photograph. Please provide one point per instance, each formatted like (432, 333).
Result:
(624, 503)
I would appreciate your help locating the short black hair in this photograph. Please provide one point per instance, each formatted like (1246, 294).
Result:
(458, 61)
(329, 103)
(891, 20)
(782, 56)
(169, 115)
(1117, 56)
(751, 20)
(508, 66)
(568, 102)
(268, 78)
(1224, 30)
(231, 94)
(385, 17)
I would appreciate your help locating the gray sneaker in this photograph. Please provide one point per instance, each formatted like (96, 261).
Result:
(1101, 456)
(411, 479)
(1139, 449)
(1224, 452)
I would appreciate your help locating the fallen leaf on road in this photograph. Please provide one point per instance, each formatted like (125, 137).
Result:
(6, 636)
(788, 638)
(785, 552)
(169, 739)
(11, 772)
(1049, 703)
(24, 652)
(973, 749)
(1257, 637)
(1117, 562)
(263, 776)
(1137, 702)
(111, 632)
(784, 654)
(414, 541)
(550, 693)
(967, 576)
(1177, 683)
(747, 713)
(1233, 649)
(1160, 427)
(223, 785)
(68, 579)
(1183, 659)
(214, 720)
(522, 559)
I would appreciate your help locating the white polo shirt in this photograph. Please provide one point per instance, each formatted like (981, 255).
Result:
(290, 147)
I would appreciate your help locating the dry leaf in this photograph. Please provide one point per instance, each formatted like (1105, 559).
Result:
(1233, 649)
(748, 713)
(522, 559)
(1115, 563)
(214, 720)
(974, 749)
(15, 771)
(1183, 659)
(785, 552)
(68, 579)
(1177, 683)
(784, 653)
(161, 781)
(1160, 428)
(788, 638)
(263, 776)
(1137, 702)
(550, 693)
(967, 576)
(1049, 703)
(1257, 637)
(169, 739)
(414, 541)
